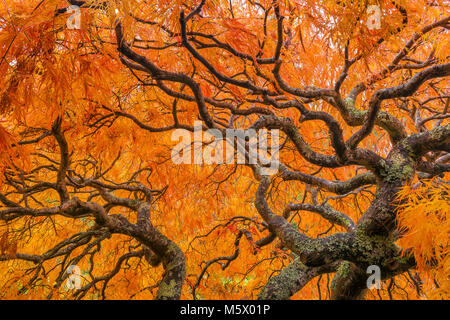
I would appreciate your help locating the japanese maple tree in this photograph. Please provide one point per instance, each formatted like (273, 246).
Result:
(91, 92)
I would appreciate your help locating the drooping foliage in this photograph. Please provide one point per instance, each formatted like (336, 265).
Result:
(87, 114)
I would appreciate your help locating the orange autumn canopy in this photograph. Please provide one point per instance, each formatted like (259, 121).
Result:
(92, 92)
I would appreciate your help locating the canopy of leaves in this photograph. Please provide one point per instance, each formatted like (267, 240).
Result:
(88, 114)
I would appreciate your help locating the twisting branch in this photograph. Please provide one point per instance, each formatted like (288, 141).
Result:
(402, 90)
(106, 224)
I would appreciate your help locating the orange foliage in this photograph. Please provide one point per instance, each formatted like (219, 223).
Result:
(49, 71)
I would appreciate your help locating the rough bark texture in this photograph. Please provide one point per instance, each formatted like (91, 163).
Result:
(369, 241)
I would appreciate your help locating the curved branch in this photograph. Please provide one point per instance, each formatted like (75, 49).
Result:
(402, 90)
